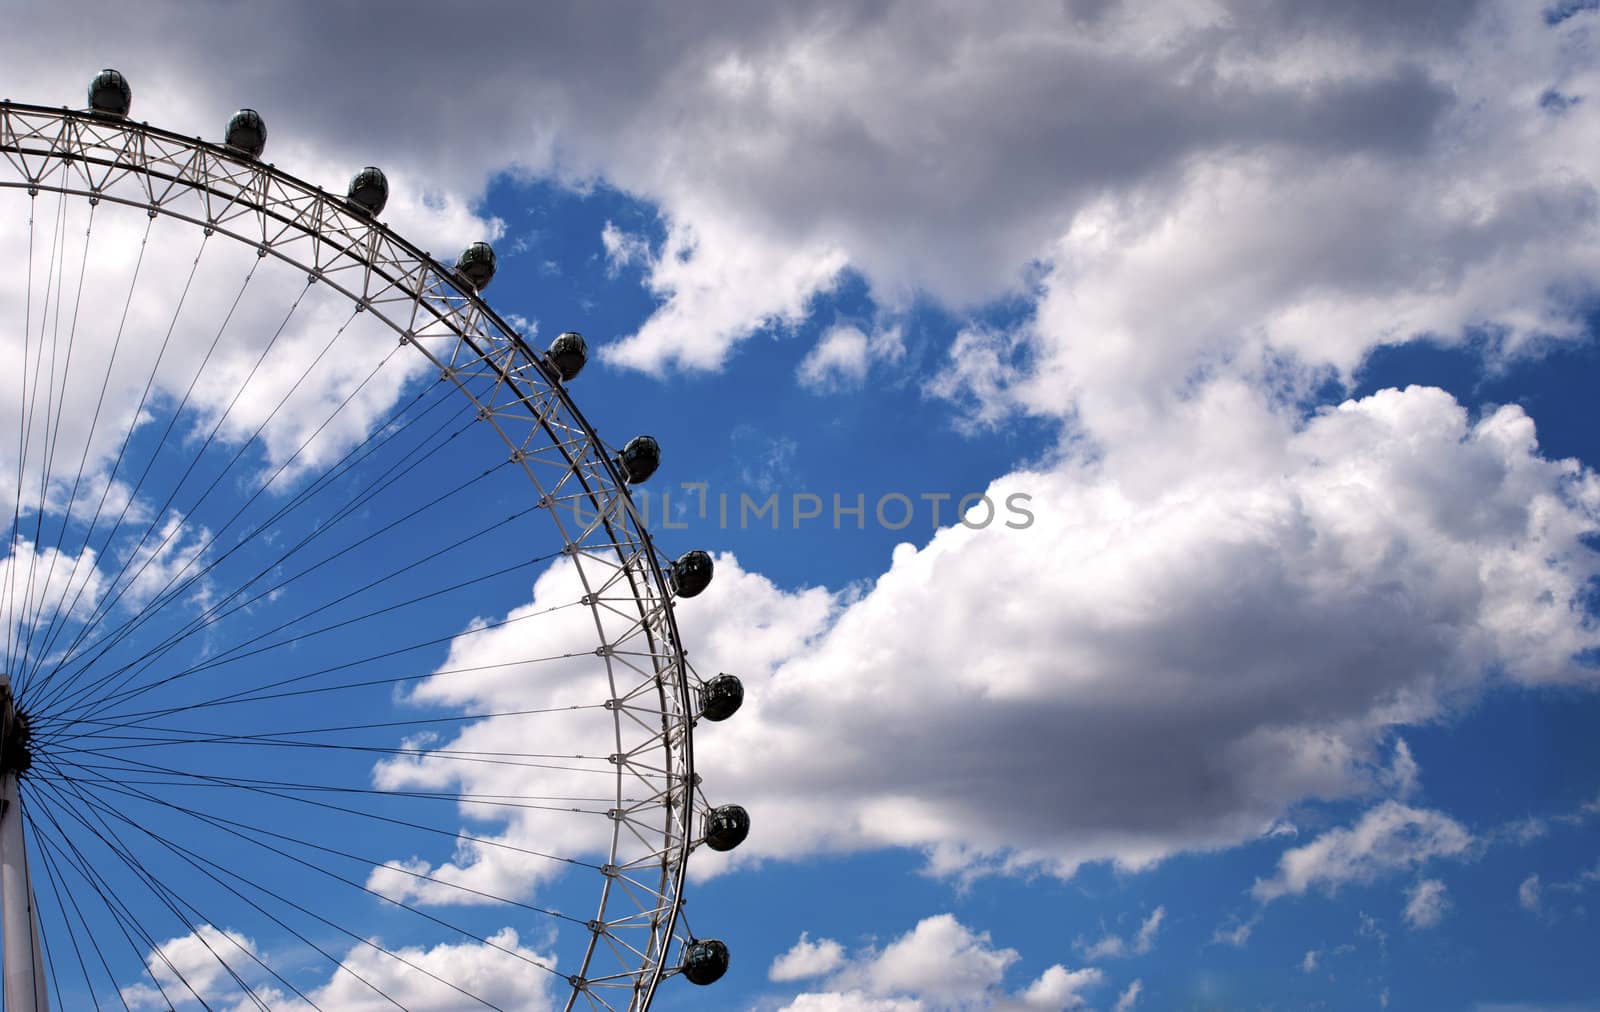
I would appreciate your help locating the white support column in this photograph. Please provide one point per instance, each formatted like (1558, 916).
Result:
(22, 955)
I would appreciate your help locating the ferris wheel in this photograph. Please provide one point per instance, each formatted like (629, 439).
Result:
(341, 670)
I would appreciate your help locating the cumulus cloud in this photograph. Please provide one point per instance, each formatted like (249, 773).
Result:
(1290, 267)
(507, 852)
(807, 959)
(1204, 642)
(500, 677)
(1426, 903)
(216, 966)
(193, 969)
(841, 357)
(623, 249)
(942, 966)
(498, 971)
(1389, 838)
(1290, 595)
(718, 282)
(983, 369)
(853, 1001)
(1057, 988)
(41, 582)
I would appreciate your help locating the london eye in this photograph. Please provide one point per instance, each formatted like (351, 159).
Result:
(341, 670)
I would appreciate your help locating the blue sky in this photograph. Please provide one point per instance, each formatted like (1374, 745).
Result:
(1279, 318)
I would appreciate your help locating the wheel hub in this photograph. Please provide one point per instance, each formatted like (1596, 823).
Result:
(16, 752)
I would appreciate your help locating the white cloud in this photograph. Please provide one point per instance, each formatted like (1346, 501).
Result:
(195, 968)
(441, 978)
(38, 584)
(1146, 938)
(1403, 773)
(1236, 933)
(1057, 988)
(941, 957)
(942, 966)
(623, 249)
(170, 557)
(1578, 884)
(851, 1001)
(982, 371)
(756, 626)
(1370, 928)
(842, 355)
(1389, 838)
(1426, 904)
(498, 972)
(1528, 893)
(807, 959)
(1316, 959)
(1581, 814)
(839, 356)
(1129, 998)
(720, 281)
(1115, 946)
(508, 862)
(1294, 592)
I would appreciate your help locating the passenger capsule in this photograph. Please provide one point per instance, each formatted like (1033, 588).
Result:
(721, 697)
(567, 355)
(110, 93)
(369, 190)
(726, 827)
(476, 263)
(639, 459)
(705, 960)
(247, 132)
(691, 573)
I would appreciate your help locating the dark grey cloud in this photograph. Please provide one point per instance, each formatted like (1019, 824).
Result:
(1409, 23)
(938, 148)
